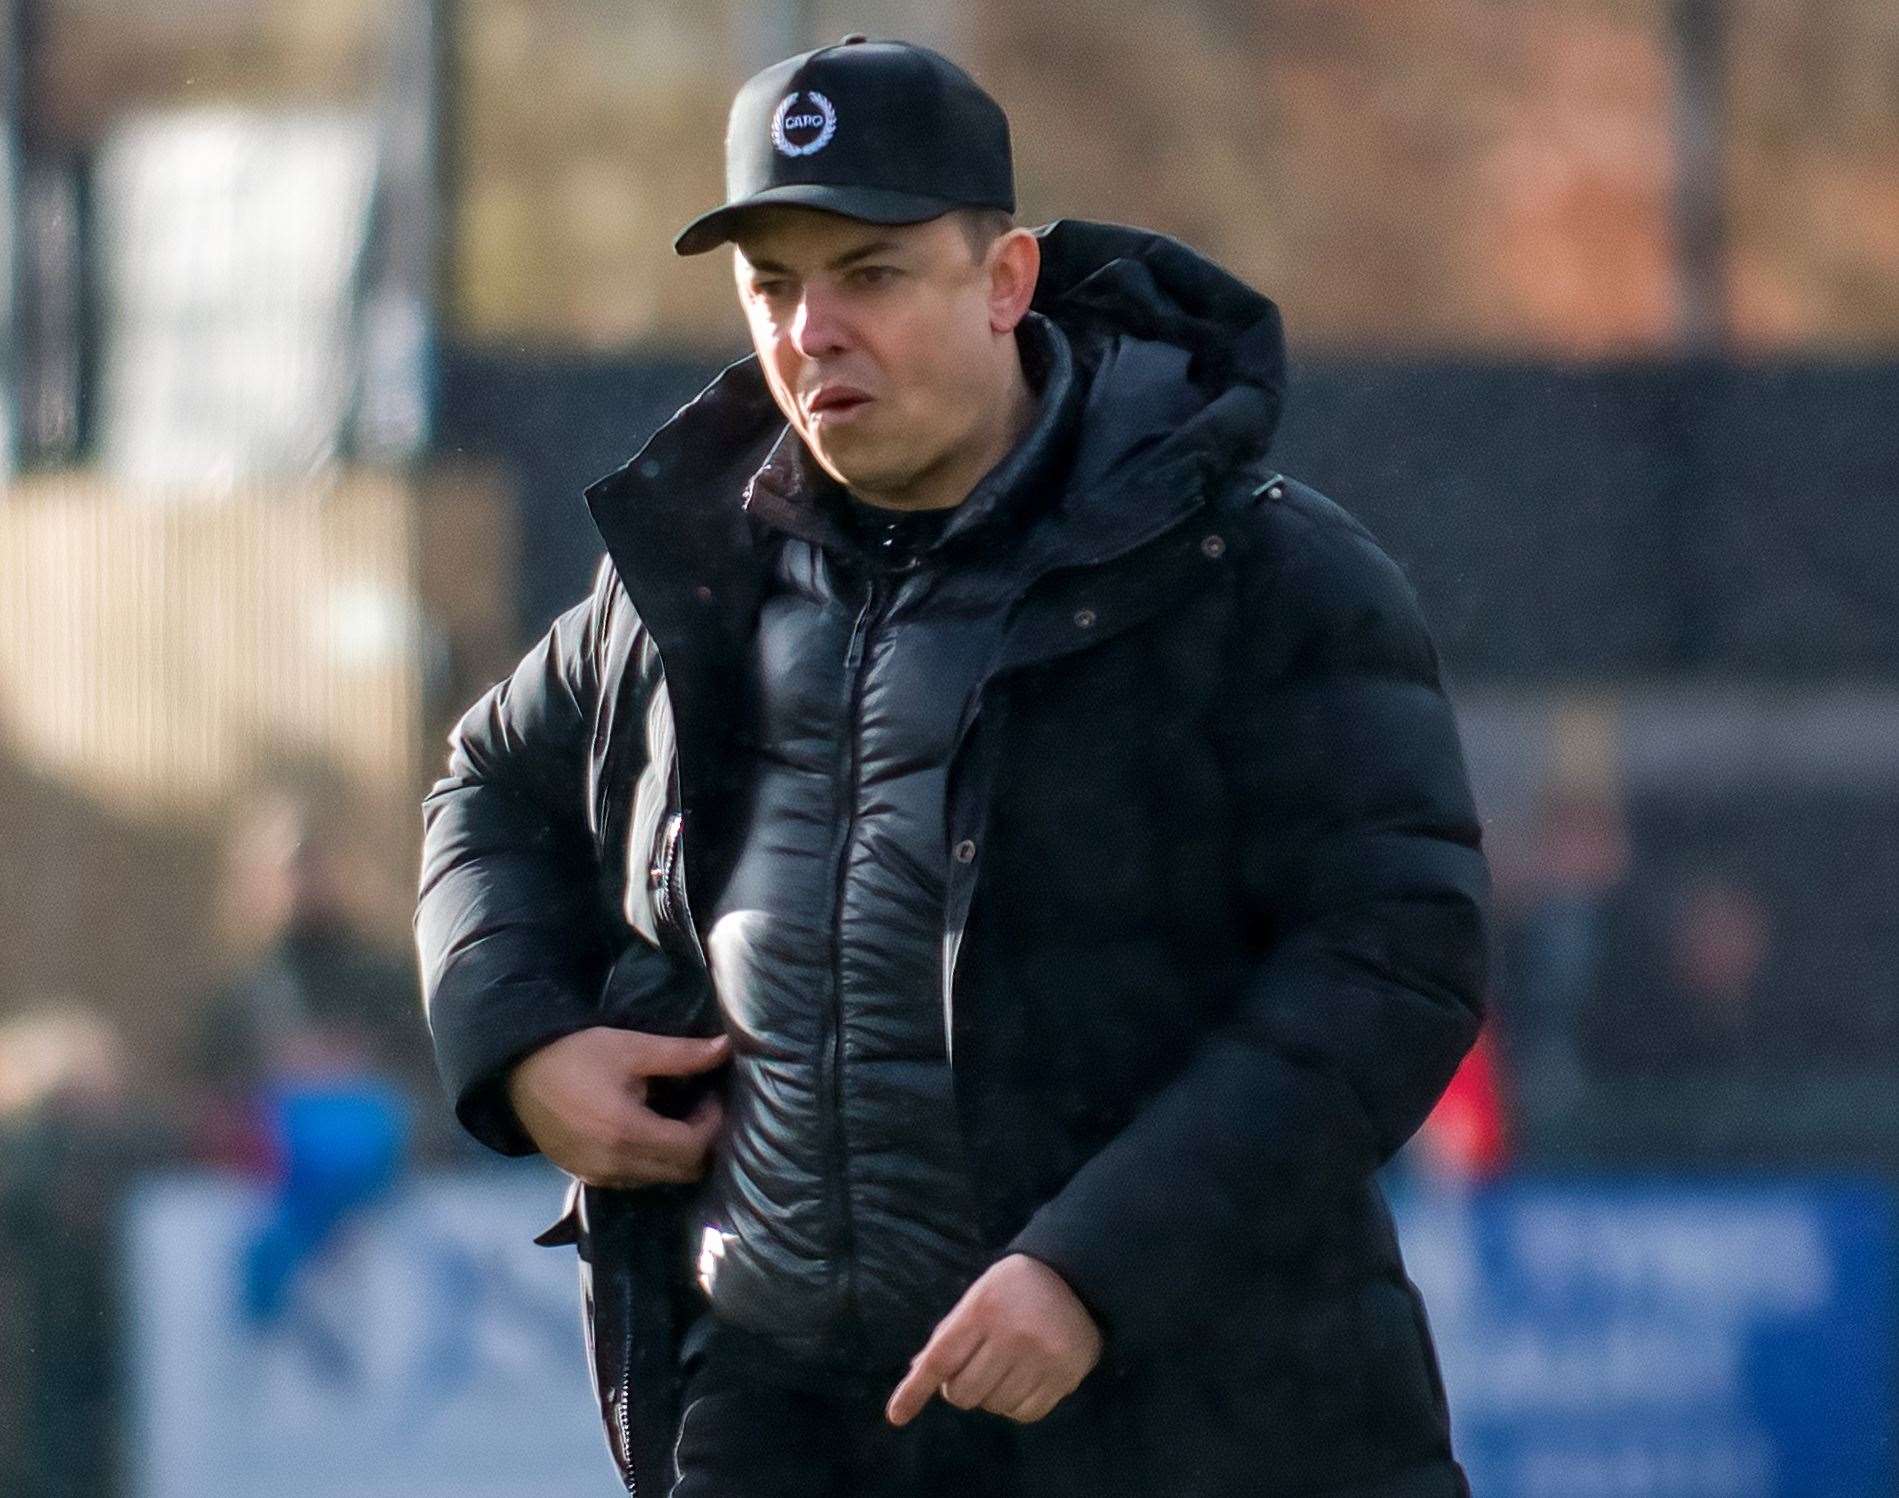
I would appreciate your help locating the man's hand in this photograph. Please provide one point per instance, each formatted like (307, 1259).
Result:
(1016, 1344)
(583, 1100)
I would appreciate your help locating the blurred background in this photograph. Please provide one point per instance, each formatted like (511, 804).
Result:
(315, 318)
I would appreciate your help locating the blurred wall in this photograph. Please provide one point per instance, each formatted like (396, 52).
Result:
(94, 60)
(1813, 173)
(1402, 175)
(169, 641)
(1408, 175)
(159, 661)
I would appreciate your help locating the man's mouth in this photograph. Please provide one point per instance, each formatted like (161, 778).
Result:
(837, 400)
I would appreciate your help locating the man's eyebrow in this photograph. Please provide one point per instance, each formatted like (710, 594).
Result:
(848, 258)
(864, 252)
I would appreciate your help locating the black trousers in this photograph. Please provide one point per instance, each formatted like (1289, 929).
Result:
(751, 1427)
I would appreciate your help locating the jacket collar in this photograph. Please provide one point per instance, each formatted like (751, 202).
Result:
(790, 492)
(1176, 365)
(1035, 469)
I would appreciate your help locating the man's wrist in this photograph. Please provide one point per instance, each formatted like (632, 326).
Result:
(1067, 1281)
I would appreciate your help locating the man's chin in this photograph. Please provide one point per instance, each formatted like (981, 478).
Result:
(860, 471)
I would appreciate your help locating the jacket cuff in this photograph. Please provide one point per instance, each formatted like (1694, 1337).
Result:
(481, 1035)
(1101, 1282)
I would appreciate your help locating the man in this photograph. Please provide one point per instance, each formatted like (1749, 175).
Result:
(1041, 825)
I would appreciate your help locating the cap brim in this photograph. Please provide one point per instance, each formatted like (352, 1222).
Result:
(874, 205)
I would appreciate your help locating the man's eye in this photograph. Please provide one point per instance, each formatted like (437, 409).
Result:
(771, 290)
(874, 275)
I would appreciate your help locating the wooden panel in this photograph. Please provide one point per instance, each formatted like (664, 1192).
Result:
(152, 653)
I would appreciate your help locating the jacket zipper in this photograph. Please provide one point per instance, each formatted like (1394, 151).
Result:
(667, 880)
(832, 1054)
(629, 1468)
(673, 890)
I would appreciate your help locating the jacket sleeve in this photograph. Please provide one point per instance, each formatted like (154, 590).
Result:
(1361, 867)
(512, 949)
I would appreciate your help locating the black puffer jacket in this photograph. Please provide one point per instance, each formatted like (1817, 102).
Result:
(838, 1220)
(1216, 911)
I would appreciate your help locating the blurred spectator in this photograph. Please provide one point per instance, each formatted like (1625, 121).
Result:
(313, 1061)
(1706, 1006)
(314, 1000)
(71, 1140)
(1568, 913)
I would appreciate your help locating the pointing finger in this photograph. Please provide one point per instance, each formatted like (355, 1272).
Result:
(918, 1385)
(951, 1345)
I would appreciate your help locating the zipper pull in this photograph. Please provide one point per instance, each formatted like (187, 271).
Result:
(854, 654)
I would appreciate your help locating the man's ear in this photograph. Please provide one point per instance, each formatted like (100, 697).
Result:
(1015, 260)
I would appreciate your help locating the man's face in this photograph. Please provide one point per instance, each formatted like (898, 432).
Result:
(878, 341)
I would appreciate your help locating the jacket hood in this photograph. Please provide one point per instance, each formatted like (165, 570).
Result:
(1185, 361)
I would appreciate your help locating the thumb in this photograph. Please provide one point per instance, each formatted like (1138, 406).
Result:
(680, 1055)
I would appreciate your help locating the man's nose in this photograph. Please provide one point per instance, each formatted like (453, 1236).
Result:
(819, 327)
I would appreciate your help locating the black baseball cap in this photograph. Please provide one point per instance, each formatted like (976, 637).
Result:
(888, 132)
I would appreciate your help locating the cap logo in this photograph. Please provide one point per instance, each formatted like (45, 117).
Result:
(803, 129)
